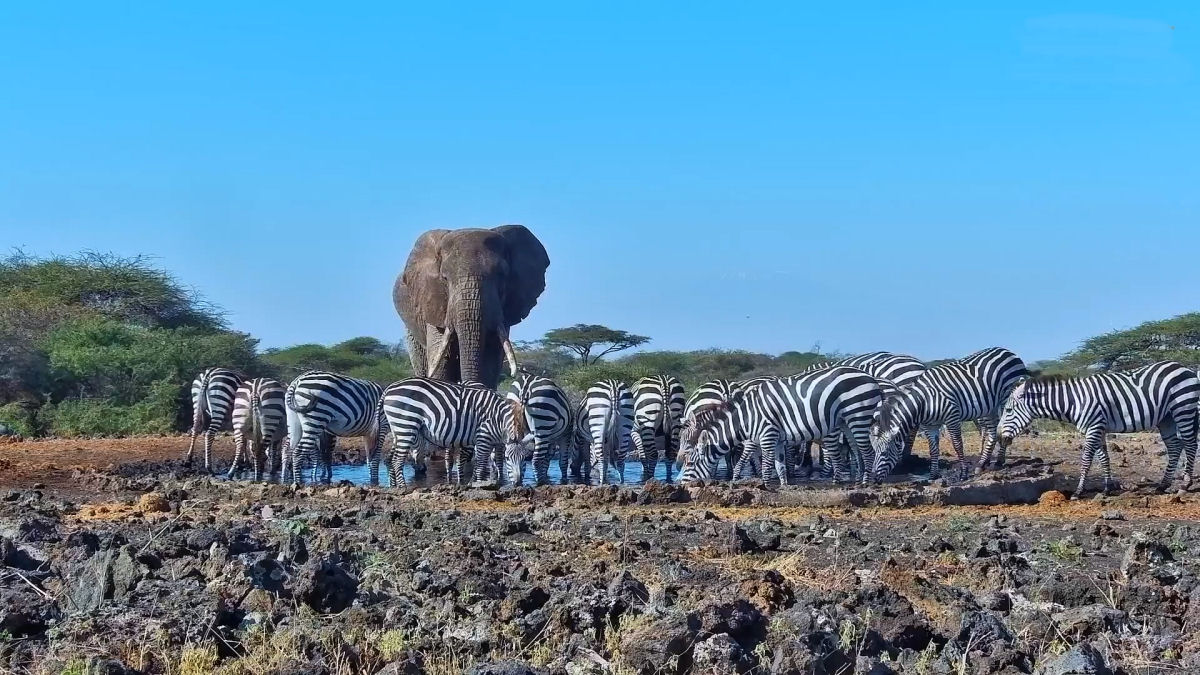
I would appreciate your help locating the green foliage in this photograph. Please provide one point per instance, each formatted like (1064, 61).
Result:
(106, 345)
(577, 380)
(583, 339)
(1174, 339)
(364, 357)
(20, 418)
(126, 289)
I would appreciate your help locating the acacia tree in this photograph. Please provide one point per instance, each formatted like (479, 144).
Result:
(1174, 339)
(584, 339)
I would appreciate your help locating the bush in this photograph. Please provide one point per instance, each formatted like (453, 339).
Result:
(157, 413)
(20, 418)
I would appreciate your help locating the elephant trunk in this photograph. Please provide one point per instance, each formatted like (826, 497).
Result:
(469, 318)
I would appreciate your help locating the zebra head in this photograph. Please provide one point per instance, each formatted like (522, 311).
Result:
(707, 436)
(1016, 415)
(516, 456)
(895, 421)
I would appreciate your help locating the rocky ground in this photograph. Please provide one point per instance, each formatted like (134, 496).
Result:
(145, 567)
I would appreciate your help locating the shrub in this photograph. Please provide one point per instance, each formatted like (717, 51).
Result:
(19, 417)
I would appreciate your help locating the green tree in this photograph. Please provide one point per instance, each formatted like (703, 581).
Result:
(1174, 339)
(583, 339)
(364, 357)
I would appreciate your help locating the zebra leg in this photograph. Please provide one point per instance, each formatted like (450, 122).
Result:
(1175, 447)
(1106, 465)
(839, 461)
(541, 460)
(239, 452)
(749, 456)
(599, 460)
(564, 459)
(208, 443)
(987, 436)
(954, 431)
(402, 445)
(1091, 442)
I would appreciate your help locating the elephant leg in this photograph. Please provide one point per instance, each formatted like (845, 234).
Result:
(416, 351)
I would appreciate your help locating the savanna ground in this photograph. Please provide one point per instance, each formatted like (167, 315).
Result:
(117, 559)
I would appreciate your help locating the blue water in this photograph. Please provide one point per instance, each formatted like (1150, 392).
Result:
(436, 474)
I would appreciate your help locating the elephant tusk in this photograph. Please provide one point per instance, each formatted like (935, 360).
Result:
(510, 353)
(442, 352)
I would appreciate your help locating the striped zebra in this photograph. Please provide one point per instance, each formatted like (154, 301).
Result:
(972, 388)
(322, 403)
(213, 392)
(604, 424)
(892, 371)
(420, 410)
(547, 416)
(1159, 396)
(259, 425)
(703, 404)
(658, 404)
(784, 412)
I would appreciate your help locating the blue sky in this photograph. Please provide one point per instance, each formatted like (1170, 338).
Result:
(762, 176)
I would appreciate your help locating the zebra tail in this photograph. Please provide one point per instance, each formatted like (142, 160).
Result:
(201, 410)
(520, 421)
(256, 417)
(290, 399)
(612, 433)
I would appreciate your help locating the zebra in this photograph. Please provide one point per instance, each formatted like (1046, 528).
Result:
(213, 392)
(259, 425)
(783, 412)
(1162, 395)
(322, 402)
(892, 371)
(950, 393)
(452, 415)
(547, 416)
(604, 425)
(658, 404)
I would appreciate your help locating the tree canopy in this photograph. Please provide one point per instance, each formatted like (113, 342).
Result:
(583, 339)
(1174, 339)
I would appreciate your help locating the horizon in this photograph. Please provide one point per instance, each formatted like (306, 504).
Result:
(921, 181)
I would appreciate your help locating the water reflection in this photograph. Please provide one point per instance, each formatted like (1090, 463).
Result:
(436, 474)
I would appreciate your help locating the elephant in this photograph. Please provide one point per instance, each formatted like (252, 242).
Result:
(460, 293)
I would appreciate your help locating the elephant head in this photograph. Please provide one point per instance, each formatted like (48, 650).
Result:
(465, 289)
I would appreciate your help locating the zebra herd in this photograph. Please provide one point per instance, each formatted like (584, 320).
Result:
(864, 411)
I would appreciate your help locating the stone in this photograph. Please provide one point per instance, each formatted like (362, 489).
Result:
(1082, 659)
(720, 655)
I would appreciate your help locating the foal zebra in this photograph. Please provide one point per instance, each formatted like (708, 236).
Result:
(604, 424)
(658, 404)
(972, 388)
(212, 401)
(322, 403)
(1162, 395)
(259, 425)
(784, 412)
(421, 410)
(547, 416)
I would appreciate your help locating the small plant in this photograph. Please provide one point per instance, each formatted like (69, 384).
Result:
(1065, 549)
(959, 523)
(390, 644)
(925, 660)
(196, 660)
(296, 527)
(75, 667)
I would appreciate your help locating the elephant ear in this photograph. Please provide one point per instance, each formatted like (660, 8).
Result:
(527, 263)
(420, 293)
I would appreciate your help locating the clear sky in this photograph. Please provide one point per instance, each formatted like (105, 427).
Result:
(744, 175)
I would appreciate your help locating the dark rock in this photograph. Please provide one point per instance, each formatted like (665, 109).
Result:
(720, 655)
(38, 530)
(660, 645)
(627, 593)
(511, 526)
(1142, 551)
(202, 539)
(326, 586)
(817, 653)
(267, 574)
(980, 629)
(504, 668)
(1112, 515)
(741, 542)
(21, 557)
(1080, 660)
(739, 618)
(871, 665)
(770, 592)
(411, 665)
(1083, 622)
(293, 550)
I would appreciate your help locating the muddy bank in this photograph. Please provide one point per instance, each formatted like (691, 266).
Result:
(159, 572)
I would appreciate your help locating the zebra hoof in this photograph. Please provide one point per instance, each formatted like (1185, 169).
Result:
(1074, 497)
